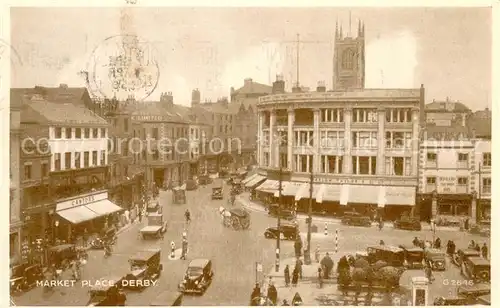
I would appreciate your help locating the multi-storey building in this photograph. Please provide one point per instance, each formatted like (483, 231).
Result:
(360, 144)
(126, 178)
(446, 113)
(163, 147)
(14, 208)
(78, 171)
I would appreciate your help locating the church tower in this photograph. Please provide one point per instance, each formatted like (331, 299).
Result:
(349, 59)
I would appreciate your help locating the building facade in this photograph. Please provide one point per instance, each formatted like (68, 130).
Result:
(482, 179)
(163, 142)
(360, 145)
(15, 221)
(77, 167)
(446, 113)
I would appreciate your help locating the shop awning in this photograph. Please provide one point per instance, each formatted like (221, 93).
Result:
(269, 186)
(328, 192)
(248, 179)
(304, 191)
(104, 207)
(255, 181)
(363, 194)
(284, 185)
(78, 214)
(397, 195)
(292, 188)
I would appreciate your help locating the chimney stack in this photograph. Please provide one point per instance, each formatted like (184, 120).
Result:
(167, 99)
(279, 85)
(248, 81)
(63, 86)
(296, 88)
(321, 87)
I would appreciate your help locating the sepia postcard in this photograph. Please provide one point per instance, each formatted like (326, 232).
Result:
(248, 155)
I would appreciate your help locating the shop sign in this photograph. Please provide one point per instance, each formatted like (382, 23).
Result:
(446, 184)
(149, 118)
(356, 181)
(81, 200)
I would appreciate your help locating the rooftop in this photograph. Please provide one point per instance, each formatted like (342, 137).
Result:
(252, 87)
(447, 106)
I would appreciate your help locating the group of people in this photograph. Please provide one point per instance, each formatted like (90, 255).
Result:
(257, 298)
(296, 273)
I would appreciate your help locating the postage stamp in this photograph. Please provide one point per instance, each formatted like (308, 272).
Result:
(121, 66)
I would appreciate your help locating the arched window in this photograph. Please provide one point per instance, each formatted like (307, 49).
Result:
(348, 59)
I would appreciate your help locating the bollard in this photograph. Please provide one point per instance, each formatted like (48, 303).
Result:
(326, 229)
(336, 240)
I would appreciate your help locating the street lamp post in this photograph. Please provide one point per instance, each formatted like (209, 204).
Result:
(307, 253)
(56, 225)
(278, 238)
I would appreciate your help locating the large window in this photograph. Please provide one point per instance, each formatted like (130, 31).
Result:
(265, 138)
(86, 159)
(78, 133)
(463, 157)
(95, 133)
(364, 115)
(331, 164)
(87, 133)
(348, 59)
(335, 115)
(304, 138)
(331, 139)
(303, 163)
(155, 133)
(431, 180)
(58, 133)
(487, 159)
(67, 160)
(283, 138)
(77, 160)
(283, 160)
(487, 185)
(27, 172)
(94, 158)
(364, 164)
(431, 156)
(67, 132)
(103, 133)
(44, 169)
(266, 159)
(398, 140)
(398, 115)
(400, 166)
(364, 139)
(57, 161)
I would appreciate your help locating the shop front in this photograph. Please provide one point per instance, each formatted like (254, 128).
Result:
(37, 219)
(15, 243)
(90, 211)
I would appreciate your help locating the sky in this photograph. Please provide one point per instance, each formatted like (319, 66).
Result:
(212, 49)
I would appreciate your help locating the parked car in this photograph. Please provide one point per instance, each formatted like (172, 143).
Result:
(437, 258)
(356, 219)
(284, 213)
(414, 256)
(478, 269)
(393, 256)
(408, 224)
(107, 293)
(145, 267)
(463, 254)
(198, 277)
(157, 226)
(191, 185)
(218, 190)
(287, 232)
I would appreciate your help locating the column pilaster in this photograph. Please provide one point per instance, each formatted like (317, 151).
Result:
(415, 141)
(381, 142)
(347, 168)
(290, 135)
(272, 139)
(260, 141)
(316, 156)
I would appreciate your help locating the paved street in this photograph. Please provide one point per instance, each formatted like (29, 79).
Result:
(233, 253)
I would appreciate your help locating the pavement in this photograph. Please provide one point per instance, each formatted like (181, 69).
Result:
(244, 199)
(234, 255)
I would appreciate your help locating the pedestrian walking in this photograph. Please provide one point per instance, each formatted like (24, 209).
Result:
(298, 247)
(295, 277)
(484, 251)
(428, 273)
(287, 275)
(298, 265)
(320, 277)
(272, 293)
(140, 214)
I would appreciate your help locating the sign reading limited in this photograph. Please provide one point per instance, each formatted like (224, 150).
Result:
(446, 184)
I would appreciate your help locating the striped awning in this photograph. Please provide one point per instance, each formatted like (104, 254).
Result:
(255, 181)
(305, 191)
(269, 186)
(248, 179)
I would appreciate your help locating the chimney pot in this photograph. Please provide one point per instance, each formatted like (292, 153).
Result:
(63, 86)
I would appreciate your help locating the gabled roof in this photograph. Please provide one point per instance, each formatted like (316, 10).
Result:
(446, 106)
(252, 87)
(56, 94)
(61, 113)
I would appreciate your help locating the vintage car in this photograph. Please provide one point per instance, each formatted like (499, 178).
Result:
(145, 269)
(107, 292)
(467, 295)
(393, 256)
(179, 195)
(62, 255)
(414, 256)
(236, 218)
(191, 185)
(408, 224)
(198, 277)
(356, 219)
(463, 254)
(17, 277)
(287, 232)
(156, 227)
(477, 269)
(167, 299)
(274, 210)
(217, 190)
(437, 258)
(204, 179)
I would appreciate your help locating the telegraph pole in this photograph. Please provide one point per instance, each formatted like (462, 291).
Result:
(278, 238)
(307, 254)
(478, 201)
